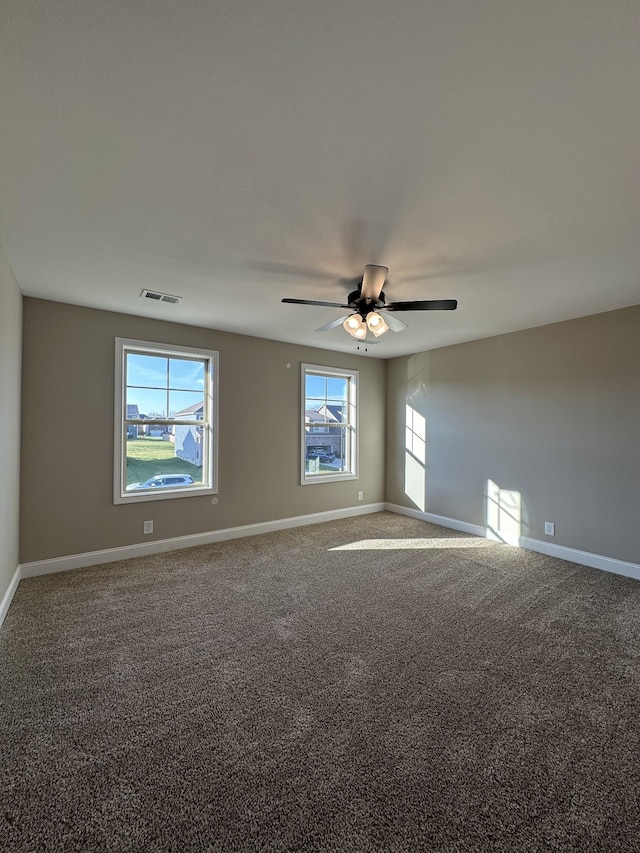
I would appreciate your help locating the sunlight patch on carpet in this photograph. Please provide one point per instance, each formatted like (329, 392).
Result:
(412, 544)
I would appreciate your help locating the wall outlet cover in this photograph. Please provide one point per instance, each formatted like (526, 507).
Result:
(147, 526)
(549, 528)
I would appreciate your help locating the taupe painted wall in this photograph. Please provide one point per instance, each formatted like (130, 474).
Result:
(67, 433)
(552, 413)
(10, 358)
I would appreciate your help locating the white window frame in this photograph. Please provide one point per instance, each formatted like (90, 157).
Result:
(209, 486)
(351, 427)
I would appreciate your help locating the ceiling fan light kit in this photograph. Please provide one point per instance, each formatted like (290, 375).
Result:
(376, 324)
(368, 300)
(356, 326)
(353, 323)
(360, 332)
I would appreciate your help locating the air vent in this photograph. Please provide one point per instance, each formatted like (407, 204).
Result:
(160, 297)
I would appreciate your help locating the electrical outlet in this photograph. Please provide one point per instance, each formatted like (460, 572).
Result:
(147, 526)
(360, 495)
(549, 528)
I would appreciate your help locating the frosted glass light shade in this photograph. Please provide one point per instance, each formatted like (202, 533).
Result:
(376, 324)
(355, 325)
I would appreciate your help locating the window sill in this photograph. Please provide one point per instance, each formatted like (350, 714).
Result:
(165, 494)
(327, 478)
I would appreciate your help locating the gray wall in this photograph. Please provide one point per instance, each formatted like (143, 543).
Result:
(67, 433)
(10, 357)
(551, 413)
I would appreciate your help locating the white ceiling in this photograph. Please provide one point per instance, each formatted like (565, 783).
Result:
(234, 152)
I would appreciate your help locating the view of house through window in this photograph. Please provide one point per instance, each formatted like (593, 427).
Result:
(165, 421)
(329, 423)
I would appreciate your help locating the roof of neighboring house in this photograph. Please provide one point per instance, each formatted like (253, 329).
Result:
(132, 410)
(312, 416)
(325, 414)
(333, 412)
(190, 410)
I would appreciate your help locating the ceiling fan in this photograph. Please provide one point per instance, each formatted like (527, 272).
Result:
(366, 303)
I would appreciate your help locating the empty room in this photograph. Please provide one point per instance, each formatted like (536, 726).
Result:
(320, 392)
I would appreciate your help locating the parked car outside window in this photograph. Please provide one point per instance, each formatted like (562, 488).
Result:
(161, 481)
(321, 455)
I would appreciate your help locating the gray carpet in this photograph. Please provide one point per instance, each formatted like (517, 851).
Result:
(312, 690)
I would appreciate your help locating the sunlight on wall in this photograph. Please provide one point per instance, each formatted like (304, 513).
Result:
(414, 544)
(416, 434)
(414, 485)
(503, 513)
(415, 458)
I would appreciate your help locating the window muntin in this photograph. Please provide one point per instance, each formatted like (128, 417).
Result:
(329, 424)
(166, 426)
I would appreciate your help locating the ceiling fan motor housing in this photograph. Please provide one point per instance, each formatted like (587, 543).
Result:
(362, 306)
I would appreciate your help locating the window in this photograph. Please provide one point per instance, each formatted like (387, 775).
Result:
(165, 421)
(329, 424)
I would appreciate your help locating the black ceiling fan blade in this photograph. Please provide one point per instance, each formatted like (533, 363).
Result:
(332, 325)
(315, 302)
(423, 305)
(395, 324)
(373, 281)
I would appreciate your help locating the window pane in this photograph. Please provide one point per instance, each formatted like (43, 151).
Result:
(186, 374)
(337, 388)
(164, 460)
(187, 404)
(152, 462)
(326, 453)
(329, 420)
(142, 401)
(149, 371)
(315, 386)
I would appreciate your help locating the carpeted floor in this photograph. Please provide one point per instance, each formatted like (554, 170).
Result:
(315, 689)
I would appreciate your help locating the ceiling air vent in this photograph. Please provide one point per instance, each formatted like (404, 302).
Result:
(161, 297)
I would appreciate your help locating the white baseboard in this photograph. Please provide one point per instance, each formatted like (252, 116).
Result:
(158, 546)
(443, 521)
(8, 596)
(572, 555)
(595, 561)
(140, 549)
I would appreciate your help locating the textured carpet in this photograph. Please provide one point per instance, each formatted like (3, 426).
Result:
(376, 683)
